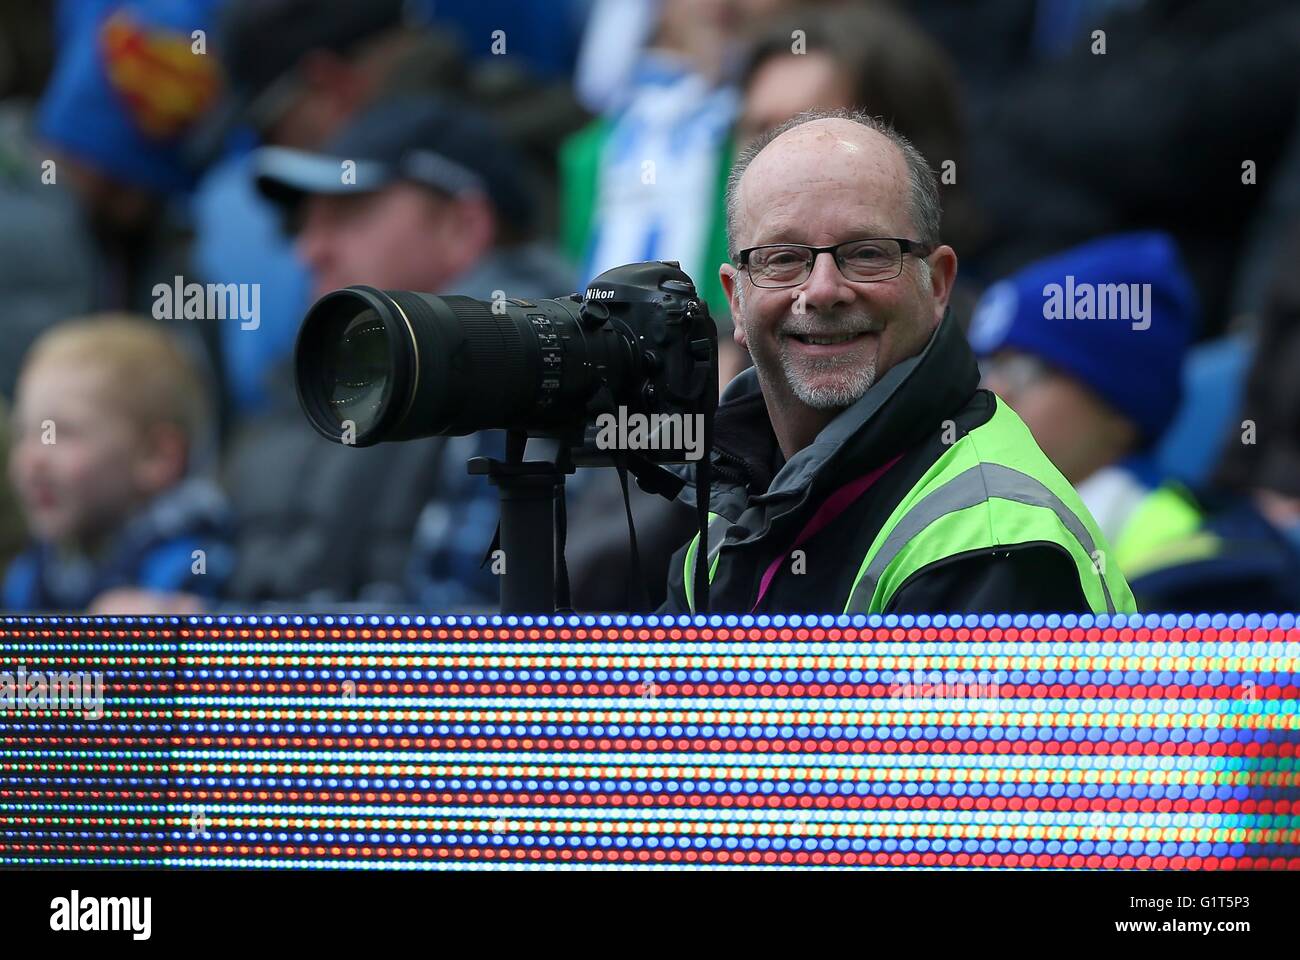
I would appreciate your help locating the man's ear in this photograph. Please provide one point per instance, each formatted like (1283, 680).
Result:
(943, 274)
(731, 281)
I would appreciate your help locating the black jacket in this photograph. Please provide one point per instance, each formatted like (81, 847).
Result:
(770, 501)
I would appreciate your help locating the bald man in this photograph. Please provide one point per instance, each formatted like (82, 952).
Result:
(858, 466)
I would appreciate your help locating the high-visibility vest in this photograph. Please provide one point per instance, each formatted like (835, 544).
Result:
(994, 487)
(1164, 530)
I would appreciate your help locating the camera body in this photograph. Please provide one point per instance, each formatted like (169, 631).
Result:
(653, 306)
(630, 365)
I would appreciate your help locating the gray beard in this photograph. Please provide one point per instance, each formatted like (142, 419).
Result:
(846, 386)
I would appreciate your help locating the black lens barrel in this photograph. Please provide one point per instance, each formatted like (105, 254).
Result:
(446, 365)
(477, 369)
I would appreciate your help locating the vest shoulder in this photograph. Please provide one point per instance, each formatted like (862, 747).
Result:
(1003, 439)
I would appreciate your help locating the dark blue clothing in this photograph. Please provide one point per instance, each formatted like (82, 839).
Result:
(544, 36)
(153, 551)
(1237, 562)
(446, 573)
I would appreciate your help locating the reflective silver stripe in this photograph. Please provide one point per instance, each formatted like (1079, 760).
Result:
(717, 530)
(981, 482)
(717, 533)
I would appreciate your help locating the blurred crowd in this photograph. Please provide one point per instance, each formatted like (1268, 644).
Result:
(155, 151)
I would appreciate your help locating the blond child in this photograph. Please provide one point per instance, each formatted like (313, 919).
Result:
(108, 412)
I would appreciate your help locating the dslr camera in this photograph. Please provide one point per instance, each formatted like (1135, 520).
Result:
(633, 358)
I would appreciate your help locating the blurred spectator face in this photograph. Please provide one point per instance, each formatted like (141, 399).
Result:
(702, 29)
(102, 465)
(786, 86)
(403, 237)
(726, 15)
(824, 183)
(1077, 430)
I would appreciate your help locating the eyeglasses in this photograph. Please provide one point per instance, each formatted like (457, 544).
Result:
(863, 261)
(1013, 372)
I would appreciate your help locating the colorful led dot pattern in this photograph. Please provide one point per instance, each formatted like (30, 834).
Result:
(399, 743)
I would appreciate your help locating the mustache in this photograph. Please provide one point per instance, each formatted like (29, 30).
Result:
(830, 325)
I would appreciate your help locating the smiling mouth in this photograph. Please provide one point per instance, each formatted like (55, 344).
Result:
(828, 340)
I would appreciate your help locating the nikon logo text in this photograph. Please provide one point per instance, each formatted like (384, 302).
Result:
(652, 431)
(594, 294)
(76, 914)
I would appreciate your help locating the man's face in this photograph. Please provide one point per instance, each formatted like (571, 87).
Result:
(784, 86)
(402, 237)
(822, 344)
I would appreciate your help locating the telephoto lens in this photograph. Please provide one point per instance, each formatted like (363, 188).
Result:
(374, 365)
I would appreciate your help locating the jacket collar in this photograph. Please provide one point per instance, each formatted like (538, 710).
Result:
(906, 405)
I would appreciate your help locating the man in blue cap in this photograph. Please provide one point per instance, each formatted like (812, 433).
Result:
(297, 73)
(419, 192)
(416, 193)
(1087, 347)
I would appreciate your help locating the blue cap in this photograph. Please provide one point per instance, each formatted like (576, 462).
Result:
(420, 139)
(128, 86)
(1117, 314)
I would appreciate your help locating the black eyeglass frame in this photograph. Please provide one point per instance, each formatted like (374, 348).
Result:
(906, 248)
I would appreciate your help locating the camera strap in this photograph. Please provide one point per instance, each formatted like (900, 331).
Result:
(703, 479)
(703, 483)
(638, 597)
